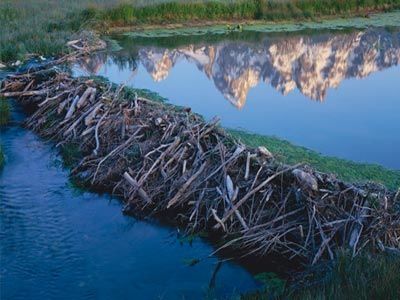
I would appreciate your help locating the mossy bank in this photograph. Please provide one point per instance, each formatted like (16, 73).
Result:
(344, 169)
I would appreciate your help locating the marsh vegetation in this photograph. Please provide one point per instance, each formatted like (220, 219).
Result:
(43, 27)
(4, 111)
(367, 276)
(4, 119)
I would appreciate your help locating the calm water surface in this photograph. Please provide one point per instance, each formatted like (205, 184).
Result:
(336, 93)
(59, 243)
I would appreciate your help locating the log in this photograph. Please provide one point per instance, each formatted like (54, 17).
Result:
(24, 94)
(175, 199)
(72, 108)
(142, 194)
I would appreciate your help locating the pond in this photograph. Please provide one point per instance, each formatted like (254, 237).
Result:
(58, 242)
(336, 92)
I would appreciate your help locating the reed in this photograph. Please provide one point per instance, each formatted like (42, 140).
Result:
(181, 12)
(4, 112)
(42, 27)
(365, 276)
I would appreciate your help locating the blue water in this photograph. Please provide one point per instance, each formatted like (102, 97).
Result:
(336, 93)
(61, 243)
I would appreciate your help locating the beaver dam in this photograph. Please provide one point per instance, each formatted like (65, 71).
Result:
(166, 161)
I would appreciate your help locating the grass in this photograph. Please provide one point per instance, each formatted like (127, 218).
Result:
(367, 276)
(4, 112)
(344, 169)
(4, 119)
(42, 27)
(70, 154)
(174, 12)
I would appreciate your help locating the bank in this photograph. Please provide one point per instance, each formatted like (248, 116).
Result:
(39, 28)
(344, 169)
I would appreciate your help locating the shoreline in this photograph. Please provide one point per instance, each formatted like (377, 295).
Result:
(346, 170)
(165, 159)
(207, 24)
(21, 39)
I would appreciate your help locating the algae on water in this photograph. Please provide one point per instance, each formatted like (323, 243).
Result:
(391, 19)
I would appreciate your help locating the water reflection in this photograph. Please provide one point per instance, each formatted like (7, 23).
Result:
(313, 64)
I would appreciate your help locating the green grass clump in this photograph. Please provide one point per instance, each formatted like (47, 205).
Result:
(4, 112)
(71, 154)
(367, 276)
(344, 169)
(4, 119)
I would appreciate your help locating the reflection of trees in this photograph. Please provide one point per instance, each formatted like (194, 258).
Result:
(93, 64)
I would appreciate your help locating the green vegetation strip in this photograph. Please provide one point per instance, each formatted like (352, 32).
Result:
(364, 277)
(344, 169)
(178, 12)
(42, 27)
(389, 19)
(4, 112)
(4, 119)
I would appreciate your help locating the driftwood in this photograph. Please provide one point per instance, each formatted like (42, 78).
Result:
(165, 160)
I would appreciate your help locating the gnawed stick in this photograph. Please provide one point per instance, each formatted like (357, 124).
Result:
(96, 133)
(252, 192)
(71, 110)
(54, 98)
(142, 194)
(86, 94)
(24, 94)
(175, 199)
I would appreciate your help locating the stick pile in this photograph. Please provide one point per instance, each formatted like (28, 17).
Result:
(168, 161)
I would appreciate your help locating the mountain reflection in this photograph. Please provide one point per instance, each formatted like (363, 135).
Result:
(310, 63)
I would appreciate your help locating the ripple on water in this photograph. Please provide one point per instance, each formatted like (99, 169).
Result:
(60, 244)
